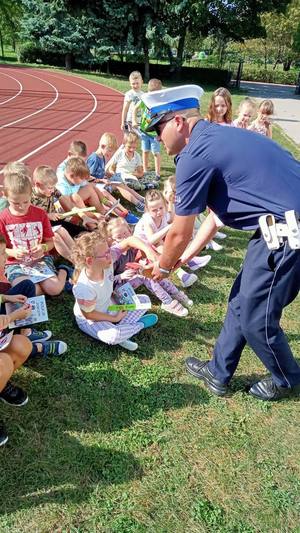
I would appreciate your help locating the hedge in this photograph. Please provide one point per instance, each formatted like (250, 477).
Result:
(270, 76)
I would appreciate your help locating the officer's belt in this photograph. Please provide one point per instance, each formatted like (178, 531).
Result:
(275, 233)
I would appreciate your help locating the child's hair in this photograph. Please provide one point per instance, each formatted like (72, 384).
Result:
(78, 166)
(44, 174)
(154, 85)
(109, 140)
(114, 223)
(211, 115)
(130, 137)
(152, 196)
(78, 148)
(84, 246)
(16, 167)
(2, 239)
(247, 102)
(135, 74)
(17, 184)
(266, 107)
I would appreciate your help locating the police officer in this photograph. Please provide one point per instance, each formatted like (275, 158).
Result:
(241, 176)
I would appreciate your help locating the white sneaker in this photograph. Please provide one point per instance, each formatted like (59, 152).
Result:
(187, 280)
(129, 345)
(220, 235)
(175, 308)
(199, 262)
(213, 245)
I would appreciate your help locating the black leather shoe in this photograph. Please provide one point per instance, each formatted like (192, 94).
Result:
(200, 370)
(267, 390)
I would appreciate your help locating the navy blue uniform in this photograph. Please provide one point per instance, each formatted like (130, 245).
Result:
(242, 175)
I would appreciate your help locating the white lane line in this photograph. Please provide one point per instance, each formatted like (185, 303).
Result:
(66, 131)
(39, 110)
(19, 91)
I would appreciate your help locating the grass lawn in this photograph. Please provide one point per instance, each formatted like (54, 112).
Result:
(129, 443)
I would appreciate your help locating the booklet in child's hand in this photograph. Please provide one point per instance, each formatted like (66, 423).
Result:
(5, 340)
(39, 312)
(126, 296)
(37, 272)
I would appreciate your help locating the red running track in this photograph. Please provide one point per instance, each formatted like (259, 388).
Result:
(42, 111)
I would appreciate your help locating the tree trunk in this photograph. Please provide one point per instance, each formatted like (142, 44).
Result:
(287, 65)
(180, 48)
(68, 60)
(147, 62)
(1, 44)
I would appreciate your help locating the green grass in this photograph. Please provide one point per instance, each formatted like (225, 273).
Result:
(129, 443)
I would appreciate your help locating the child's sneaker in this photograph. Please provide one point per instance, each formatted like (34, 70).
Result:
(131, 219)
(3, 434)
(199, 262)
(39, 336)
(53, 348)
(187, 280)
(157, 177)
(13, 395)
(149, 320)
(175, 308)
(140, 207)
(69, 270)
(129, 345)
(184, 299)
(220, 235)
(215, 246)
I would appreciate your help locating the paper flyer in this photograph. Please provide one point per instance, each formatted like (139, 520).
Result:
(5, 340)
(37, 272)
(126, 297)
(39, 312)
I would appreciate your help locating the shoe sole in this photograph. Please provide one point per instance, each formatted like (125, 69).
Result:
(208, 385)
(15, 404)
(3, 442)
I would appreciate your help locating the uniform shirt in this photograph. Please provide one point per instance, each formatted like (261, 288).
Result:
(239, 174)
(96, 165)
(25, 231)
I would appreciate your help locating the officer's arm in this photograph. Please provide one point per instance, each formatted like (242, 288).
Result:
(177, 240)
(204, 234)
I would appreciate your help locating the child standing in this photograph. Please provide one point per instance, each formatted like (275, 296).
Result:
(28, 235)
(263, 124)
(247, 110)
(148, 140)
(171, 298)
(154, 226)
(93, 291)
(220, 107)
(131, 98)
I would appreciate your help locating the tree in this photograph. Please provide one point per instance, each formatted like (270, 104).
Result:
(10, 15)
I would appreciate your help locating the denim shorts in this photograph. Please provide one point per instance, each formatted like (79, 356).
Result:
(15, 271)
(149, 143)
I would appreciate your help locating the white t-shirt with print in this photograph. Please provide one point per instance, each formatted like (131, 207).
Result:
(133, 97)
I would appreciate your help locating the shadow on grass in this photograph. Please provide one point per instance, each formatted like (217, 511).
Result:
(60, 441)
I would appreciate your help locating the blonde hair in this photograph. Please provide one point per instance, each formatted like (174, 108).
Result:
(78, 148)
(266, 106)
(130, 137)
(16, 167)
(109, 140)
(84, 246)
(17, 184)
(247, 102)
(114, 223)
(152, 196)
(135, 74)
(224, 93)
(44, 174)
(78, 166)
(154, 85)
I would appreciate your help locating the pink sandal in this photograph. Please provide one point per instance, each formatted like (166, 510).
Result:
(175, 308)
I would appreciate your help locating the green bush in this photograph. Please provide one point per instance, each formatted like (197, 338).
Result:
(269, 76)
(32, 53)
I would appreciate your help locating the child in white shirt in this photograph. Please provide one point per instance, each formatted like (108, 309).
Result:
(131, 98)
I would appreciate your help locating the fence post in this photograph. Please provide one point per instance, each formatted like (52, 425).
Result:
(239, 73)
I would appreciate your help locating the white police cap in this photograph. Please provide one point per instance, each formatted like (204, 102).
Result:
(170, 100)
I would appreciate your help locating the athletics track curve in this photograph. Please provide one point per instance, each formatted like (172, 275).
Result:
(42, 111)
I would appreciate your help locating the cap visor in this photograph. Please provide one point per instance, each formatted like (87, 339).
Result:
(153, 122)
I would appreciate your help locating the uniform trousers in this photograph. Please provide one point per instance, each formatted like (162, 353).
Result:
(268, 281)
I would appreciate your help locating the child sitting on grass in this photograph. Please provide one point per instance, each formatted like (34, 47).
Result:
(172, 299)
(93, 291)
(29, 236)
(128, 163)
(154, 226)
